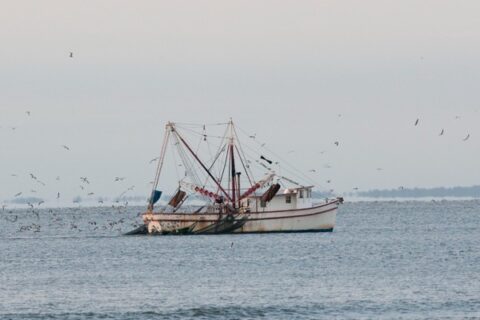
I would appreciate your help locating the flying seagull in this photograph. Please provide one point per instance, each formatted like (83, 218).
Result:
(336, 143)
(71, 54)
(441, 133)
(153, 160)
(17, 194)
(312, 170)
(119, 178)
(28, 113)
(416, 122)
(65, 147)
(41, 182)
(85, 180)
(467, 137)
(33, 177)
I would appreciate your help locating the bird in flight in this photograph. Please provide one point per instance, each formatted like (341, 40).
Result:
(119, 178)
(416, 122)
(312, 170)
(85, 180)
(58, 195)
(17, 194)
(33, 176)
(65, 147)
(336, 143)
(467, 137)
(90, 194)
(71, 54)
(442, 132)
(28, 113)
(153, 160)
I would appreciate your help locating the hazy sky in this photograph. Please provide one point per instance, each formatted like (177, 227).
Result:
(284, 70)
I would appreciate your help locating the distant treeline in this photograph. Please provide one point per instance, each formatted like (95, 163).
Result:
(461, 192)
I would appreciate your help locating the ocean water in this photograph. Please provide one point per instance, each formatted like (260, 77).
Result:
(384, 260)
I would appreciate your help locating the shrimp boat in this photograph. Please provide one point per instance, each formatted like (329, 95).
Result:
(221, 194)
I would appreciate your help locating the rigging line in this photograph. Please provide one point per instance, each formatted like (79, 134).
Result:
(186, 161)
(202, 124)
(218, 154)
(307, 178)
(245, 168)
(200, 134)
(175, 160)
(224, 165)
(202, 165)
(301, 174)
(242, 154)
(291, 172)
(221, 147)
(161, 158)
(216, 158)
(199, 142)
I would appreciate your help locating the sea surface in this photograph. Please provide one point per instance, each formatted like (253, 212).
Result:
(384, 260)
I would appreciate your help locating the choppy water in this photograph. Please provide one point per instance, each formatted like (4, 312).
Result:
(409, 260)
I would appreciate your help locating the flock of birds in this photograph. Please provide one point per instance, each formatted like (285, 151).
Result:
(58, 221)
(11, 216)
(85, 181)
(337, 144)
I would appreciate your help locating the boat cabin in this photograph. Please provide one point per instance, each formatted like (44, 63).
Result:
(286, 199)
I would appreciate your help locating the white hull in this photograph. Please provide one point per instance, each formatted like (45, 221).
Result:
(317, 218)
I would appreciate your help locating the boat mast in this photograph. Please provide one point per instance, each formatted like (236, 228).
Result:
(168, 129)
(232, 165)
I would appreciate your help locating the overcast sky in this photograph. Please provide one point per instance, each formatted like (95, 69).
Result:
(284, 70)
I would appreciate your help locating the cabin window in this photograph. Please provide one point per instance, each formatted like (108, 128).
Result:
(309, 193)
(300, 194)
(263, 204)
(288, 199)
